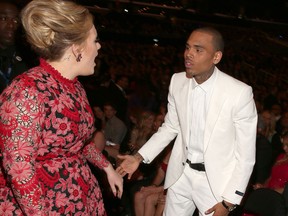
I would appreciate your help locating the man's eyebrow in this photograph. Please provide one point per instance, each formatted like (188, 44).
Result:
(198, 46)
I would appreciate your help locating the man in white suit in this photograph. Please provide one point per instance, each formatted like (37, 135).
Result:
(214, 118)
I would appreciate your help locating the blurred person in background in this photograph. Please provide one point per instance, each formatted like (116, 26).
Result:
(11, 61)
(114, 129)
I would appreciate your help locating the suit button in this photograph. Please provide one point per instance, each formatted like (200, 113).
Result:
(183, 163)
(186, 148)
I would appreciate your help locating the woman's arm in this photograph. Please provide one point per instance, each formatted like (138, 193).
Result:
(21, 118)
(95, 156)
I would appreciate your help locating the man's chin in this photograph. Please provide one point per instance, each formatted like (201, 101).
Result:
(6, 44)
(189, 74)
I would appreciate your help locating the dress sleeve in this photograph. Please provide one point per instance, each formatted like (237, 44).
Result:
(95, 156)
(21, 117)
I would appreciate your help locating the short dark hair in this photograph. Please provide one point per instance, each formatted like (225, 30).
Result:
(218, 40)
(110, 103)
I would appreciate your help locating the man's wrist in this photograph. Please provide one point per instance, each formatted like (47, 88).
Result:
(229, 206)
(138, 157)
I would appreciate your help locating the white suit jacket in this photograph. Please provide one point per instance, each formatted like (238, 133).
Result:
(229, 136)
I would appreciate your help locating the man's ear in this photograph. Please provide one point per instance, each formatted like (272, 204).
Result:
(217, 57)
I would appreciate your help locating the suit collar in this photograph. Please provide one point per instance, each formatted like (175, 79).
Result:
(218, 98)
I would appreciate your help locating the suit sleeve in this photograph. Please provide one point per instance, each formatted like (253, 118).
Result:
(245, 122)
(166, 133)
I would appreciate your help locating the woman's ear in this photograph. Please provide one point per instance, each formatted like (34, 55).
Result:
(77, 52)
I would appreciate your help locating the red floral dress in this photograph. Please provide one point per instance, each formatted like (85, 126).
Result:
(45, 125)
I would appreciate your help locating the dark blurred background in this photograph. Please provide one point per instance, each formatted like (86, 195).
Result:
(145, 39)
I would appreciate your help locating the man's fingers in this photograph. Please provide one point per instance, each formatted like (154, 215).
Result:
(118, 169)
(121, 171)
(129, 175)
(121, 156)
(209, 211)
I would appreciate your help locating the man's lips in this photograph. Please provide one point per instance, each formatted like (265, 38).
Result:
(188, 64)
(9, 35)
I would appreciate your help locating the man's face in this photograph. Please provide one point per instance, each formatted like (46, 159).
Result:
(9, 22)
(124, 82)
(109, 111)
(200, 55)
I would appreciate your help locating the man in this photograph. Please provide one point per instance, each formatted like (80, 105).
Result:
(264, 154)
(116, 93)
(11, 63)
(213, 118)
(114, 130)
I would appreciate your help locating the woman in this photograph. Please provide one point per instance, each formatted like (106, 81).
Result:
(151, 199)
(142, 131)
(265, 193)
(98, 136)
(46, 121)
(279, 173)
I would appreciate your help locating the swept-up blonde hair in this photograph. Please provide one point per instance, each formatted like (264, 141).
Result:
(52, 26)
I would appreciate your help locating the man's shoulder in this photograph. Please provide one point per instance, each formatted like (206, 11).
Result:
(180, 75)
(229, 80)
(118, 122)
(179, 78)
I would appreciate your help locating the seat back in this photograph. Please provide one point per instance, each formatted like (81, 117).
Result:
(265, 202)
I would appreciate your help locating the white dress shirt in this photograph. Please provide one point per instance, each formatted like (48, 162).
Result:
(199, 103)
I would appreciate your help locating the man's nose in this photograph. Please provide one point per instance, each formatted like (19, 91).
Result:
(189, 54)
(11, 23)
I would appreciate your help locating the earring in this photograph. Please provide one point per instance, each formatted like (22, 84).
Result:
(79, 57)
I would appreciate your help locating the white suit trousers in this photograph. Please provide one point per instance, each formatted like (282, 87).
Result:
(191, 191)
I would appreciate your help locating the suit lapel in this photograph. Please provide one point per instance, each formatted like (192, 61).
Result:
(186, 95)
(218, 98)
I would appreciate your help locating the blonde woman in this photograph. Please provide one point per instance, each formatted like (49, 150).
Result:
(46, 121)
(142, 131)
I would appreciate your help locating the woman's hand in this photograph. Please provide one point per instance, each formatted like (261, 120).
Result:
(257, 186)
(115, 181)
(161, 198)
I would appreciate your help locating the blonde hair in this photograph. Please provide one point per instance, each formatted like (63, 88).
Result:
(52, 26)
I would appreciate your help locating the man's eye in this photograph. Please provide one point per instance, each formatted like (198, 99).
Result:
(16, 21)
(3, 18)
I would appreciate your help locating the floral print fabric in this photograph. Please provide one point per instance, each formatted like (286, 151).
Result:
(45, 127)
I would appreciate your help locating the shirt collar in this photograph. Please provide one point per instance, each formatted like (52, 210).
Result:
(207, 85)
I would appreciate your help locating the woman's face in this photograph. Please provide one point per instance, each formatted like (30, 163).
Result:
(285, 144)
(98, 112)
(266, 116)
(89, 53)
(148, 122)
(158, 121)
(285, 148)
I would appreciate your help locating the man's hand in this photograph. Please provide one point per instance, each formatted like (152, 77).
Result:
(129, 164)
(218, 209)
